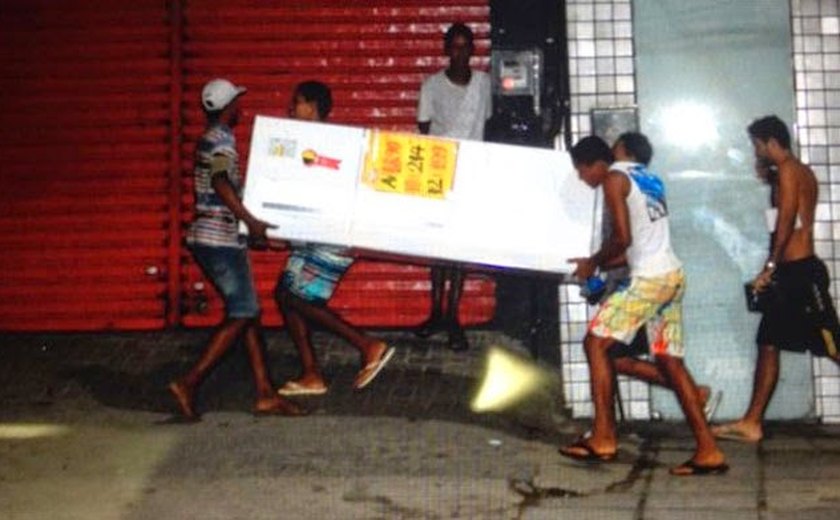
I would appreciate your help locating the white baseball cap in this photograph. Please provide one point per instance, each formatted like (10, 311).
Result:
(218, 93)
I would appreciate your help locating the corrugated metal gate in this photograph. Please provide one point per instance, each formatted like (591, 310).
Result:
(84, 150)
(99, 118)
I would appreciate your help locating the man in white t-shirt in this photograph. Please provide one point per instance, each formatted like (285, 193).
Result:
(454, 102)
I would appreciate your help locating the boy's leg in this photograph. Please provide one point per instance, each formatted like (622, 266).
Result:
(602, 443)
(602, 386)
(300, 334)
(254, 346)
(223, 338)
(457, 339)
(371, 348)
(432, 324)
(229, 270)
(267, 402)
(651, 373)
(639, 369)
(707, 454)
(749, 427)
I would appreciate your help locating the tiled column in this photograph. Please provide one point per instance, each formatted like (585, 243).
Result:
(816, 61)
(601, 75)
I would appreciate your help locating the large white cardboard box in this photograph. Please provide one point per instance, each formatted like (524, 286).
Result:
(419, 196)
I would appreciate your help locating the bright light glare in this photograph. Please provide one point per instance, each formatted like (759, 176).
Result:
(31, 431)
(508, 379)
(689, 125)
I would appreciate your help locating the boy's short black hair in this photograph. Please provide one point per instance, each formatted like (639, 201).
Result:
(637, 145)
(458, 29)
(590, 150)
(770, 127)
(317, 92)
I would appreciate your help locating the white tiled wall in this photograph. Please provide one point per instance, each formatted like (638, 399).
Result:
(816, 61)
(602, 75)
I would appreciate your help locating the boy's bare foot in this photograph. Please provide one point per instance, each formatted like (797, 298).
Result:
(741, 431)
(275, 405)
(184, 397)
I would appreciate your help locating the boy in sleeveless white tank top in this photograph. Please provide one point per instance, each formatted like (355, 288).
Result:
(635, 199)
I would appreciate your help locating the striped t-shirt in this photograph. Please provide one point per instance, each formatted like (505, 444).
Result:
(215, 224)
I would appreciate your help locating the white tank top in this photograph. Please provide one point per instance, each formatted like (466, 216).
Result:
(650, 253)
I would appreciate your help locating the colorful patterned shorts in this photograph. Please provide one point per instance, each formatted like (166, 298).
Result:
(655, 301)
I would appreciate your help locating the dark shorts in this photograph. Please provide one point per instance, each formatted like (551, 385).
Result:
(801, 316)
(313, 273)
(229, 269)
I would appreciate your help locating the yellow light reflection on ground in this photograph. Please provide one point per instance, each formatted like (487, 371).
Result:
(31, 430)
(507, 379)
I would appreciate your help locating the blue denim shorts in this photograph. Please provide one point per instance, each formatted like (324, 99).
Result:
(230, 271)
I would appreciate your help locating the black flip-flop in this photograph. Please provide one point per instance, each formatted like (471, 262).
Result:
(589, 455)
(694, 469)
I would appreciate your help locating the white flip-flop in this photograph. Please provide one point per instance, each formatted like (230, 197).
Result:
(712, 405)
(371, 370)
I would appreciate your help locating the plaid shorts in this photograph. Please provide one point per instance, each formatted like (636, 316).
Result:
(655, 301)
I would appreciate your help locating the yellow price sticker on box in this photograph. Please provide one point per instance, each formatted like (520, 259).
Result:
(410, 164)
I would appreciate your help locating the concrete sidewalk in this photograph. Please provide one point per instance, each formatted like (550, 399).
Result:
(85, 432)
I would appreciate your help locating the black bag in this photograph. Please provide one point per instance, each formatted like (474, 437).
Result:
(764, 300)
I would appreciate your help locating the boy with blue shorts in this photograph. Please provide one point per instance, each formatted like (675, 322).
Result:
(635, 199)
(310, 278)
(221, 252)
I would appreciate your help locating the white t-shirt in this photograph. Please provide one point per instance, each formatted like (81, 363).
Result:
(455, 110)
(650, 253)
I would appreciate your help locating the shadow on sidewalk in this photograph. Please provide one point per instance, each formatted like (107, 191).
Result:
(131, 372)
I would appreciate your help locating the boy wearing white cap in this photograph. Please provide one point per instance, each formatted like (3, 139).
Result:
(221, 251)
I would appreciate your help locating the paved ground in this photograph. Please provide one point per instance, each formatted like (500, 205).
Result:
(85, 432)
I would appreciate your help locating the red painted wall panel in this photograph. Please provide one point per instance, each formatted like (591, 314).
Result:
(373, 54)
(98, 120)
(84, 141)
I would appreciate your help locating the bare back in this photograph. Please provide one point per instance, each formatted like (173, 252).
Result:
(797, 199)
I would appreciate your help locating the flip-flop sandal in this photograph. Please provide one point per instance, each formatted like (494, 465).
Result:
(589, 455)
(690, 468)
(711, 406)
(295, 388)
(372, 369)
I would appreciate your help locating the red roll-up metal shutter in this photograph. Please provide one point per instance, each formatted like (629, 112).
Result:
(374, 54)
(84, 148)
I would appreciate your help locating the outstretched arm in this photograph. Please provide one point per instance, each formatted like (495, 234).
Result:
(616, 187)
